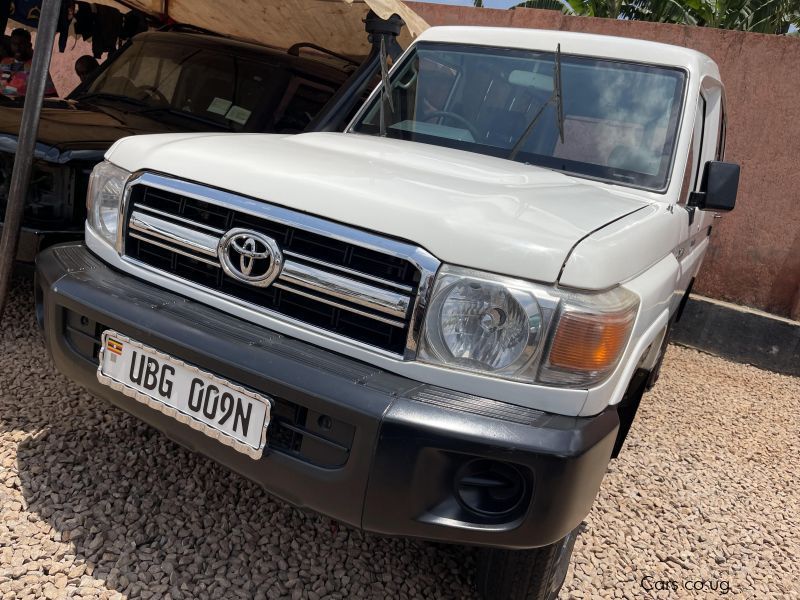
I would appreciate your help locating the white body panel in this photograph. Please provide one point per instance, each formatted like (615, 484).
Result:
(624, 248)
(464, 208)
(471, 210)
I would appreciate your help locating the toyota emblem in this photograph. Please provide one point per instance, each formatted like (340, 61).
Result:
(250, 257)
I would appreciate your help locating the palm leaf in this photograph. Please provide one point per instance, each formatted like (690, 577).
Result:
(545, 5)
(659, 11)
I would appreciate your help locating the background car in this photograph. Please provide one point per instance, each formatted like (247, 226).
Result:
(161, 82)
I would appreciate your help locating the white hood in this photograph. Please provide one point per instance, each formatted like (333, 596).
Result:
(464, 208)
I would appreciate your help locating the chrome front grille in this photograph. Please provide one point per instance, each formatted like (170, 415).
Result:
(348, 282)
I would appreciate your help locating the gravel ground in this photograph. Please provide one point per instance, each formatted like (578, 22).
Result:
(98, 505)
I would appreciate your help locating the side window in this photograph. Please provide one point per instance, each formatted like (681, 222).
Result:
(698, 141)
(687, 176)
(720, 154)
(692, 174)
(301, 102)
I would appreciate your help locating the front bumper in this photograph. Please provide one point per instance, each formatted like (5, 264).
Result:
(351, 441)
(33, 240)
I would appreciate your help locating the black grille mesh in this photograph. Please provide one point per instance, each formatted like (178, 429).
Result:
(337, 320)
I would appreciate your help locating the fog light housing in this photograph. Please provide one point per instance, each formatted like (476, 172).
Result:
(490, 488)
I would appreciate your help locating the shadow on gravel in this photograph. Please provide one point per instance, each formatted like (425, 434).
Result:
(145, 515)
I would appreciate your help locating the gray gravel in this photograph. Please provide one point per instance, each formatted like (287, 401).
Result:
(95, 504)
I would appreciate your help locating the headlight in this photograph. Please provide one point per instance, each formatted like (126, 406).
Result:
(517, 330)
(484, 323)
(103, 200)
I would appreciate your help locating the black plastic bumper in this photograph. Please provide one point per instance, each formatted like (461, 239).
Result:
(32, 240)
(348, 440)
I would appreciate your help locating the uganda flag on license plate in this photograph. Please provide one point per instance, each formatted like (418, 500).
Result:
(114, 346)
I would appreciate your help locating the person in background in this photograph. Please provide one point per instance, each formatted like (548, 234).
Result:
(5, 47)
(15, 69)
(21, 45)
(85, 67)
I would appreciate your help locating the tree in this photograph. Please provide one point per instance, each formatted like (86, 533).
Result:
(544, 5)
(659, 11)
(664, 11)
(762, 16)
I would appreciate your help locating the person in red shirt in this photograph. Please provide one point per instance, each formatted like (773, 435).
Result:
(14, 70)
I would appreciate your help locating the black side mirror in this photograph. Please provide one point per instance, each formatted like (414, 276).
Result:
(717, 188)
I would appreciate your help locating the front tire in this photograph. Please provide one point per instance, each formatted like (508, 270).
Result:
(536, 574)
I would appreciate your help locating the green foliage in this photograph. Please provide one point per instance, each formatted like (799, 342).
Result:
(765, 16)
(659, 11)
(761, 16)
(543, 4)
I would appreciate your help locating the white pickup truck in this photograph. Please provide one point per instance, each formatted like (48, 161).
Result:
(436, 324)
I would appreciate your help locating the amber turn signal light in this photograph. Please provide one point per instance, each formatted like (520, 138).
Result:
(589, 342)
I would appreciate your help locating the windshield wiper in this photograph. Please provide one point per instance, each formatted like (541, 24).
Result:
(180, 113)
(555, 98)
(108, 96)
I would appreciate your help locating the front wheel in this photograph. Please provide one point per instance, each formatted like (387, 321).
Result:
(536, 574)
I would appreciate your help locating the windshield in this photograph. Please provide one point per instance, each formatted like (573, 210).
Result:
(620, 119)
(214, 88)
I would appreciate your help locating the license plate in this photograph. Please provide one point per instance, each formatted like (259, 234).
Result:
(218, 408)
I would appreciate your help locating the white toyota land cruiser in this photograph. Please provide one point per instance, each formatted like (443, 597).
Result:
(438, 323)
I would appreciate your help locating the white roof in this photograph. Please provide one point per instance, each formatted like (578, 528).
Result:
(604, 46)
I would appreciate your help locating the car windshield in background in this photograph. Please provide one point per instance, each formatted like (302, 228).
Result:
(215, 89)
(620, 118)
